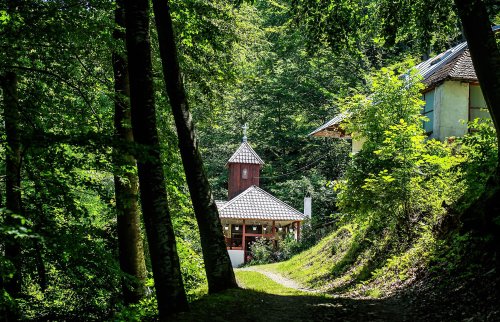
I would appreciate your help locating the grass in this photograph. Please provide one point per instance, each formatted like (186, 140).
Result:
(317, 266)
(349, 263)
(262, 299)
(259, 299)
(257, 282)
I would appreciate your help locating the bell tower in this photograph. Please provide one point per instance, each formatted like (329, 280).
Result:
(244, 168)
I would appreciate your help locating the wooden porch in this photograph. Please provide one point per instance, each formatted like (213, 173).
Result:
(239, 234)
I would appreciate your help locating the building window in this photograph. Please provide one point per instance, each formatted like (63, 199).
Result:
(429, 112)
(477, 104)
(244, 173)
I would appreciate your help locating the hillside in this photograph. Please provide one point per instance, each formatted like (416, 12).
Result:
(438, 280)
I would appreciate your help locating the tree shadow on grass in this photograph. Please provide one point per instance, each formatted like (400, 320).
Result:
(250, 305)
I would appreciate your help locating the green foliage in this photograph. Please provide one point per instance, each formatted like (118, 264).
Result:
(398, 177)
(381, 28)
(288, 247)
(479, 151)
(262, 251)
(64, 67)
(283, 93)
(193, 270)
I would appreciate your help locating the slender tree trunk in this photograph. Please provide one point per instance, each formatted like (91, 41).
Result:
(12, 180)
(130, 244)
(164, 259)
(483, 214)
(40, 265)
(218, 267)
(13, 175)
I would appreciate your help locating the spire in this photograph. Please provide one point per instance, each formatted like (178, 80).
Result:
(245, 128)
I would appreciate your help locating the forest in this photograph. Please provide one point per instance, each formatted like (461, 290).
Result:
(118, 118)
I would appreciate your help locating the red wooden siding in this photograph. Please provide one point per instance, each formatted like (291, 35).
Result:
(236, 183)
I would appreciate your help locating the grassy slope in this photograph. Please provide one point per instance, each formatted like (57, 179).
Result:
(323, 266)
(343, 263)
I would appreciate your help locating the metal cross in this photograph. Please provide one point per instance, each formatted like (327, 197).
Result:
(245, 128)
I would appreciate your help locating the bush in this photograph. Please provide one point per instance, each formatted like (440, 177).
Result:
(262, 251)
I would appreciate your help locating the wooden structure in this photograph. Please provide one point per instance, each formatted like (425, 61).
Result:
(244, 170)
(251, 212)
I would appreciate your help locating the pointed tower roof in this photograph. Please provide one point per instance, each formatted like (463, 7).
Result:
(245, 154)
(255, 203)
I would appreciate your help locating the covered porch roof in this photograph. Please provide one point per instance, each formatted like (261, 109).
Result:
(332, 128)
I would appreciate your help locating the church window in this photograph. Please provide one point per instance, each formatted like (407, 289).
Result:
(244, 173)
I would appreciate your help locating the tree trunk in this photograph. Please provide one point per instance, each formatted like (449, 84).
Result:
(218, 267)
(13, 176)
(164, 259)
(130, 244)
(485, 54)
(40, 265)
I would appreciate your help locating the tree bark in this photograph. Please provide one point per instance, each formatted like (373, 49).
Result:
(164, 259)
(218, 267)
(485, 54)
(12, 176)
(130, 243)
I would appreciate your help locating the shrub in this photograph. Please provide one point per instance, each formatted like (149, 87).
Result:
(262, 251)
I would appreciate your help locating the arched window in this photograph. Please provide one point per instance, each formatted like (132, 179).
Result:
(244, 173)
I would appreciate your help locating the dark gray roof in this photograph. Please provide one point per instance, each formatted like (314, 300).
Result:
(245, 154)
(255, 203)
(455, 63)
(435, 64)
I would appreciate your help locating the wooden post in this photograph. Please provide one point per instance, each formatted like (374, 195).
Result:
(244, 244)
(273, 231)
(230, 236)
(298, 230)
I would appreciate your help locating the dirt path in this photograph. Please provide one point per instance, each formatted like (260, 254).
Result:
(286, 282)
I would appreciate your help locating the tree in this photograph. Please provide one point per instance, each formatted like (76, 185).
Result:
(13, 179)
(220, 274)
(485, 55)
(161, 240)
(13, 159)
(131, 249)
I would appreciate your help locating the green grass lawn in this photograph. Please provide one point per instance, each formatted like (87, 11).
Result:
(257, 282)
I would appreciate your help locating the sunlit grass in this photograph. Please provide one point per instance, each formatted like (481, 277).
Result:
(260, 283)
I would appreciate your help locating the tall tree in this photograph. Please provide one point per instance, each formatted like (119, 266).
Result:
(164, 259)
(218, 267)
(13, 176)
(130, 244)
(9, 84)
(485, 56)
